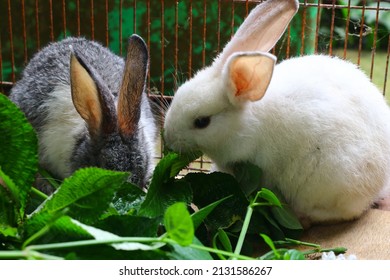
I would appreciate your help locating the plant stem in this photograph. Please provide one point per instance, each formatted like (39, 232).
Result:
(247, 220)
(337, 250)
(80, 243)
(47, 176)
(234, 256)
(317, 247)
(211, 250)
(45, 229)
(36, 235)
(38, 193)
(27, 254)
(214, 243)
(244, 230)
(289, 242)
(262, 204)
(92, 242)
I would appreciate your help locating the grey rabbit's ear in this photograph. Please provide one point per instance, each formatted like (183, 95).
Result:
(91, 98)
(133, 85)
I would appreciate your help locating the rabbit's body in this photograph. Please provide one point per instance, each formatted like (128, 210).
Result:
(327, 146)
(319, 129)
(44, 94)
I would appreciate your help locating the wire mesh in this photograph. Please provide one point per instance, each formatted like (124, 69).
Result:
(184, 36)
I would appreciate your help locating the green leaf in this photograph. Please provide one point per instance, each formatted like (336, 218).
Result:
(162, 171)
(104, 252)
(87, 193)
(283, 254)
(8, 231)
(272, 224)
(282, 220)
(270, 243)
(164, 189)
(49, 178)
(269, 197)
(280, 254)
(273, 228)
(208, 188)
(293, 254)
(8, 185)
(225, 241)
(73, 195)
(19, 152)
(125, 225)
(286, 218)
(189, 253)
(128, 199)
(178, 224)
(9, 202)
(103, 235)
(199, 216)
(170, 165)
(249, 176)
(160, 198)
(182, 161)
(53, 227)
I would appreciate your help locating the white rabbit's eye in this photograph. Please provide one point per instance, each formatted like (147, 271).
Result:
(202, 122)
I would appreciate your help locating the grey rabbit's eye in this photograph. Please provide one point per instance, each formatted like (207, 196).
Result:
(202, 122)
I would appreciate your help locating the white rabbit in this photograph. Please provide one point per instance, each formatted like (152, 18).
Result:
(315, 125)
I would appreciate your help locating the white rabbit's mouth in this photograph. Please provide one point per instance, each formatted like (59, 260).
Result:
(182, 147)
(179, 144)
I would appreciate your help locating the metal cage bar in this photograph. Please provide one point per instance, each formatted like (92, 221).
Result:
(184, 36)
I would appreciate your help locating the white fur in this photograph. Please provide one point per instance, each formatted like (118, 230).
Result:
(147, 124)
(58, 136)
(321, 134)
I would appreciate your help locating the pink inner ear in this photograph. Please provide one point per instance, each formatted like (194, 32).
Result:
(239, 77)
(250, 75)
(85, 96)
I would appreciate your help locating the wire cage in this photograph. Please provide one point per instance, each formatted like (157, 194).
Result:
(184, 36)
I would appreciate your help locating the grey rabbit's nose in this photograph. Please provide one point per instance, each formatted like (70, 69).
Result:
(135, 179)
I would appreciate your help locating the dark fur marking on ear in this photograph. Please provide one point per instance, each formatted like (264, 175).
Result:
(133, 85)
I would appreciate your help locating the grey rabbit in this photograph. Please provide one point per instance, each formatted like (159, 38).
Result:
(89, 108)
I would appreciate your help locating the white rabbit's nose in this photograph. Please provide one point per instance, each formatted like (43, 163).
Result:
(174, 141)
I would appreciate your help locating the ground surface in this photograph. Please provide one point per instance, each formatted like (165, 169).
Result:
(367, 237)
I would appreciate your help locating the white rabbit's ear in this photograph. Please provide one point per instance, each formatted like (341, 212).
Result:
(248, 76)
(262, 29)
(85, 95)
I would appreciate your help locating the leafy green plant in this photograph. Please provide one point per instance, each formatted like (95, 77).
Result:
(97, 214)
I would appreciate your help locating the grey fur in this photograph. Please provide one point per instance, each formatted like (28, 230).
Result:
(49, 70)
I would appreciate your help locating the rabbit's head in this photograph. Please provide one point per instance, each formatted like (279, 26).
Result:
(208, 109)
(116, 137)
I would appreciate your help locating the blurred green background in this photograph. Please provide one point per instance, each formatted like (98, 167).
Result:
(183, 36)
